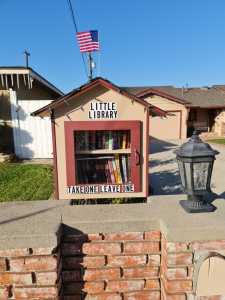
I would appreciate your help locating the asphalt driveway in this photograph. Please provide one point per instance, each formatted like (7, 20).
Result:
(164, 175)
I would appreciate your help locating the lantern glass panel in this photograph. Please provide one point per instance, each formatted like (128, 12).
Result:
(200, 175)
(188, 175)
(181, 169)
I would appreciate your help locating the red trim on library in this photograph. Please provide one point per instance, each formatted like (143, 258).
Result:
(55, 168)
(133, 126)
(83, 89)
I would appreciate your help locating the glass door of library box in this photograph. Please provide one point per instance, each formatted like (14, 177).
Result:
(103, 152)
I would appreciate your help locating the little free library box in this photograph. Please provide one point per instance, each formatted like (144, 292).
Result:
(100, 142)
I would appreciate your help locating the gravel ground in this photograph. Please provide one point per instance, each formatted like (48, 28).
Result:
(164, 175)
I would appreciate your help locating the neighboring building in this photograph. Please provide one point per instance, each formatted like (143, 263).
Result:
(22, 91)
(188, 109)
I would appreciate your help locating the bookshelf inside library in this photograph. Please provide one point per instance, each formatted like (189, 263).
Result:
(102, 156)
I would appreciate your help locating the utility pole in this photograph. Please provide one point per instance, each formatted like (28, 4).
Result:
(27, 54)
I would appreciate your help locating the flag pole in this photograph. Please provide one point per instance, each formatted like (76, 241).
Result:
(90, 62)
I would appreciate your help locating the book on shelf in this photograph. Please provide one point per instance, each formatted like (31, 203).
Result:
(103, 169)
(108, 139)
(124, 168)
(80, 140)
(110, 143)
(117, 160)
(111, 170)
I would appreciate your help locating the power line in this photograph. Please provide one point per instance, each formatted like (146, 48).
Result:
(76, 29)
(72, 15)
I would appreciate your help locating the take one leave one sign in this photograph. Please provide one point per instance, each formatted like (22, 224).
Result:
(99, 189)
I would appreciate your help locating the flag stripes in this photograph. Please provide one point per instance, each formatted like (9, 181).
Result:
(88, 41)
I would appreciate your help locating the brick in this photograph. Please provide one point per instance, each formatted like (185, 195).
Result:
(154, 259)
(125, 285)
(33, 263)
(141, 247)
(14, 252)
(15, 278)
(79, 287)
(179, 259)
(82, 237)
(4, 293)
(152, 235)
(190, 272)
(176, 286)
(35, 292)
(127, 260)
(176, 273)
(176, 247)
(69, 276)
(208, 245)
(176, 297)
(2, 265)
(101, 274)
(152, 284)
(95, 236)
(71, 248)
(46, 278)
(141, 272)
(17, 264)
(73, 297)
(142, 295)
(83, 261)
(122, 236)
(104, 296)
(101, 248)
(94, 287)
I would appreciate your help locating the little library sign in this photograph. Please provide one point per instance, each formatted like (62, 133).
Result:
(99, 189)
(102, 110)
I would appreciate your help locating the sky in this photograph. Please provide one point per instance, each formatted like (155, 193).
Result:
(143, 42)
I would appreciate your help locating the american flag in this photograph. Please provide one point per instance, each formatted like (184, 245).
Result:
(88, 41)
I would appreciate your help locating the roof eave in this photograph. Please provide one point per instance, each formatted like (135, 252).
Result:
(95, 82)
(23, 70)
(150, 91)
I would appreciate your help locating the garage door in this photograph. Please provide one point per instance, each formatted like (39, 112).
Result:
(166, 128)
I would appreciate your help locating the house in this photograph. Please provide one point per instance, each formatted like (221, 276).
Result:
(187, 109)
(23, 90)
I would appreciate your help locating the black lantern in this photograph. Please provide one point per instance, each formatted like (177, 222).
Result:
(195, 161)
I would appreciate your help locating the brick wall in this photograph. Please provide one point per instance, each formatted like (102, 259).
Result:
(28, 274)
(179, 260)
(105, 266)
(176, 270)
(112, 266)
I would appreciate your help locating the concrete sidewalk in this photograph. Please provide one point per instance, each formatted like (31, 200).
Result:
(35, 224)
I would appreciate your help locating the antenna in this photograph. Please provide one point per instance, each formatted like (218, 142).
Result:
(27, 55)
(91, 66)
